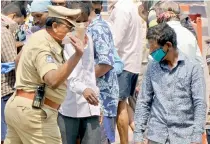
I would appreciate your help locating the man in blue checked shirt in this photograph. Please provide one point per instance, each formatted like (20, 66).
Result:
(105, 72)
(171, 103)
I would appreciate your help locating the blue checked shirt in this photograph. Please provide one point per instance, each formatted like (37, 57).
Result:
(104, 54)
(172, 103)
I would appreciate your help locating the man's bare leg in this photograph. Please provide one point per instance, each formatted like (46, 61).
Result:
(78, 141)
(123, 122)
(131, 117)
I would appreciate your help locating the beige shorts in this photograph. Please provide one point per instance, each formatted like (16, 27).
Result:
(27, 125)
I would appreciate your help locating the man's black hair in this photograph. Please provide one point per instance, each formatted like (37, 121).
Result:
(85, 6)
(23, 7)
(12, 8)
(162, 33)
(97, 2)
(16, 8)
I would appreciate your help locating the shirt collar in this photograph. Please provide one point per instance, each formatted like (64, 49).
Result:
(180, 60)
(98, 18)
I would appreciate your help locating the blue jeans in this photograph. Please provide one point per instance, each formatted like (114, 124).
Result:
(87, 129)
(208, 135)
(3, 123)
(108, 130)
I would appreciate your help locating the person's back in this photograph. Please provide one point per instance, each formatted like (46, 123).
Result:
(127, 34)
(186, 41)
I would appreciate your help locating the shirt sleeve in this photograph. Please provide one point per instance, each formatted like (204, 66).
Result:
(8, 48)
(44, 63)
(103, 46)
(198, 95)
(143, 106)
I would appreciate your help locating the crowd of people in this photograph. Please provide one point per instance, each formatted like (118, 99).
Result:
(69, 76)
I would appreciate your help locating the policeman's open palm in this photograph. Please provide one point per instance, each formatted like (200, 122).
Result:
(78, 45)
(90, 96)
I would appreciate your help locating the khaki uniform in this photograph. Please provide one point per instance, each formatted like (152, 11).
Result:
(26, 124)
(41, 54)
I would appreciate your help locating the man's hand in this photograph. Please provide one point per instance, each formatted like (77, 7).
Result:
(137, 90)
(90, 96)
(101, 118)
(78, 45)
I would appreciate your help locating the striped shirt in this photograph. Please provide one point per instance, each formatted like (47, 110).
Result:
(8, 54)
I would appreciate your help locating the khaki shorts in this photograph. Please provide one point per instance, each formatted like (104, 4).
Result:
(27, 125)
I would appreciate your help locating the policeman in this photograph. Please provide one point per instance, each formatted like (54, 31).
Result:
(31, 113)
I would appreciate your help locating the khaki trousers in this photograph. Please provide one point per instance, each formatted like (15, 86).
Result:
(27, 125)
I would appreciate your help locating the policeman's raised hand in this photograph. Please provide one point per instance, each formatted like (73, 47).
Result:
(90, 96)
(78, 45)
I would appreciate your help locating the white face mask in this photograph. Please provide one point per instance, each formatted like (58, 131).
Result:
(79, 32)
(81, 29)
(66, 39)
(150, 58)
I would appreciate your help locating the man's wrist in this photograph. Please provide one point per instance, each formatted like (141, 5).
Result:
(78, 54)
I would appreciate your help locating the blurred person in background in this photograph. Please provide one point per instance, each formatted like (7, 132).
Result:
(208, 64)
(39, 12)
(11, 17)
(127, 32)
(59, 3)
(147, 12)
(207, 7)
(169, 12)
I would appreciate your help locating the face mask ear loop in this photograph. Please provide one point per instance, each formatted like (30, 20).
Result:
(165, 53)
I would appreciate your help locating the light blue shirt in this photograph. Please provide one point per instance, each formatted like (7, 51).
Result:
(104, 54)
(172, 103)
